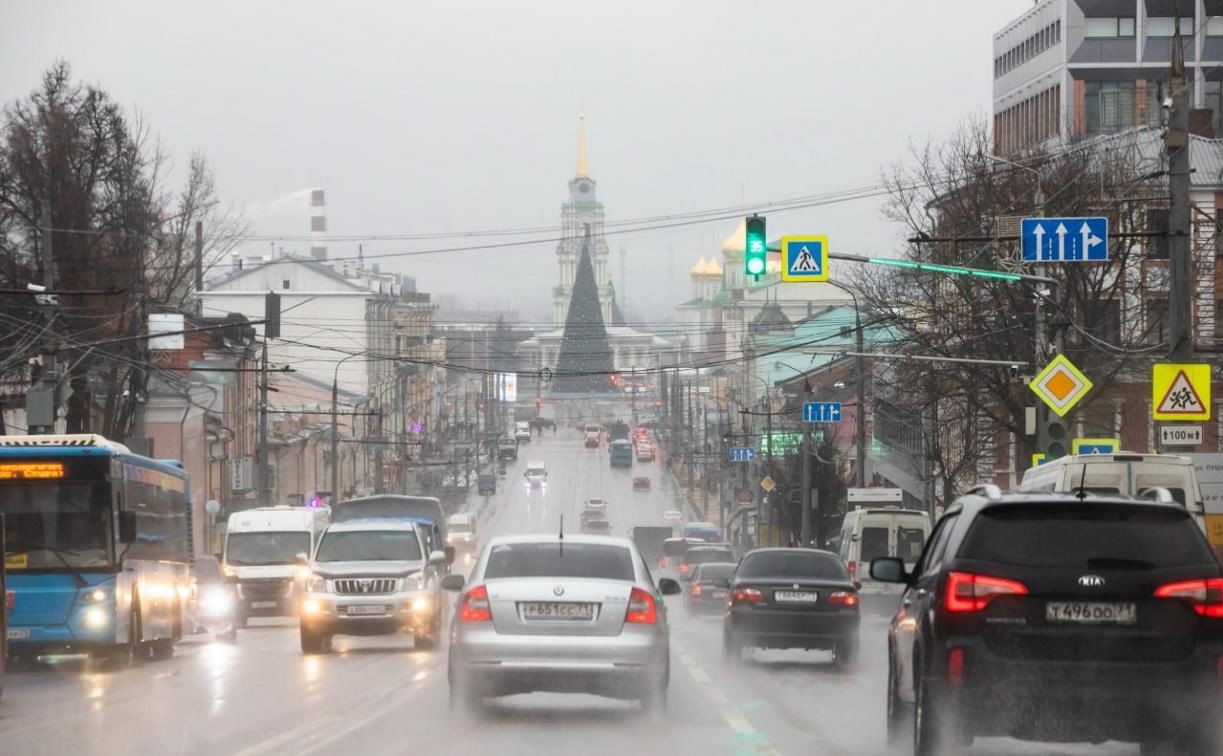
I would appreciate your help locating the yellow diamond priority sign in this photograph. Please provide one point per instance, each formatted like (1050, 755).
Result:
(1060, 385)
(768, 484)
(1180, 392)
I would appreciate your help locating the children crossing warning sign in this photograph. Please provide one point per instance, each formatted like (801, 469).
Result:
(1180, 392)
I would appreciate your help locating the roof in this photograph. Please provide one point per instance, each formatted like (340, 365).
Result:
(976, 501)
(308, 262)
(1147, 142)
(570, 538)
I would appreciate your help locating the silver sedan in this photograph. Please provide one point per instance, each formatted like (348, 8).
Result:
(541, 613)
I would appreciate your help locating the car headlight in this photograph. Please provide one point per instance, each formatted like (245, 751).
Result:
(316, 583)
(216, 602)
(228, 571)
(414, 582)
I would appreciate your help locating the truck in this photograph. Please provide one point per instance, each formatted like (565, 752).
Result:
(507, 449)
(617, 430)
(649, 540)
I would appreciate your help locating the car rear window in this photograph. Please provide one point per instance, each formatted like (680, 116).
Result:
(674, 548)
(808, 564)
(714, 572)
(701, 556)
(572, 560)
(874, 543)
(909, 542)
(1086, 536)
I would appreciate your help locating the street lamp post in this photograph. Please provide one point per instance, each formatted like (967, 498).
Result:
(335, 430)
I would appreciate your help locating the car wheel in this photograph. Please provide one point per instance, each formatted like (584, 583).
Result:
(934, 730)
(896, 709)
(845, 653)
(732, 648)
(312, 641)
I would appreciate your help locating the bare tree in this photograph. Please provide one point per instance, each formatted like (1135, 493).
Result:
(959, 207)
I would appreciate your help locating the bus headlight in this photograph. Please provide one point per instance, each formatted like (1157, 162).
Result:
(97, 595)
(95, 618)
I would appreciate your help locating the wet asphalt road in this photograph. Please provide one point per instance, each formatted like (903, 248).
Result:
(378, 695)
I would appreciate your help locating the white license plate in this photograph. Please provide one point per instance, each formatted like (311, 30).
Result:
(262, 604)
(18, 633)
(367, 609)
(1092, 612)
(796, 597)
(718, 594)
(565, 610)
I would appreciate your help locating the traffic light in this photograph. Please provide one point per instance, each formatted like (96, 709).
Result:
(1050, 434)
(755, 253)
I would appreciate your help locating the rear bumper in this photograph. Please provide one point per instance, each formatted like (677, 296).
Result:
(775, 628)
(628, 665)
(1094, 701)
(704, 604)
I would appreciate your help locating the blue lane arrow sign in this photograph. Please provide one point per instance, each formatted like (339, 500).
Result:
(1064, 239)
(822, 412)
(742, 454)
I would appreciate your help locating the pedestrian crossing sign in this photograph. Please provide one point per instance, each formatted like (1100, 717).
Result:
(1180, 392)
(804, 258)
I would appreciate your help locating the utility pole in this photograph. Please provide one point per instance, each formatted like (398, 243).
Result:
(335, 441)
(199, 267)
(860, 369)
(265, 491)
(1176, 139)
(42, 401)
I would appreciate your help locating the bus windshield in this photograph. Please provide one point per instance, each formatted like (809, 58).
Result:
(56, 525)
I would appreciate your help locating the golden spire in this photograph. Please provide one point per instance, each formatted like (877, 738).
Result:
(582, 146)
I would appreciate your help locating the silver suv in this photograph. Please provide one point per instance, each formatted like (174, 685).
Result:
(372, 577)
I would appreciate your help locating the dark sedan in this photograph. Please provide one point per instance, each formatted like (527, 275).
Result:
(792, 598)
(707, 588)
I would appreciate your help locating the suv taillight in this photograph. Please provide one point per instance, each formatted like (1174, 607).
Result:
(475, 606)
(683, 568)
(1206, 596)
(697, 590)
(853, 570)
(972, 593)
(641, 608)
(662, 563)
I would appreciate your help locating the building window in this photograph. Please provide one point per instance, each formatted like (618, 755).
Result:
(284, 284)
(1165, 26)
(1157, 320)
(1099, 28)
(1219, 319)
(1157, 226)
(1102, 319)
(1214, 26)
(1109, 106)
(1218, 233)
(1125, 27)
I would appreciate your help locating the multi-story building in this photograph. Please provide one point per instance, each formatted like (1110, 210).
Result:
(1069, 69)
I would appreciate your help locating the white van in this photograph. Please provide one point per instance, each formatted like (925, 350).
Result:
(868, 534)
(260, 556)
(522, 431)
(536, 474)
(1123, 473)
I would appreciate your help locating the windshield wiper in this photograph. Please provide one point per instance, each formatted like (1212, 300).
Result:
(81, 582)
(1118, 563)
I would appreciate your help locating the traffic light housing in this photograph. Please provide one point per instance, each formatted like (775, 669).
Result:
(1051, 434)
(756, 249)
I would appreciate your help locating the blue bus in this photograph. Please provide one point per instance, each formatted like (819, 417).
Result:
(97, 547)
(620, 453)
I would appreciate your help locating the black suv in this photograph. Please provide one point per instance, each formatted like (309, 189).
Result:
(1058, 618)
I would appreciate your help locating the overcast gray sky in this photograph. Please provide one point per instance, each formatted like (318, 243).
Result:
(461, 115)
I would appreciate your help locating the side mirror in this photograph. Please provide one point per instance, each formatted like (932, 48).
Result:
(127, 527)
(448, 552)
(668, 587)
(453, 583)
(437, 558)
(889, 570)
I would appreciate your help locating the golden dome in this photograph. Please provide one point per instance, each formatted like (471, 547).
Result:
(713, 269)
(698, 269)
(736, 243)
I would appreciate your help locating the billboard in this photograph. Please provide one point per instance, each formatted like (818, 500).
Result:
(507, 386)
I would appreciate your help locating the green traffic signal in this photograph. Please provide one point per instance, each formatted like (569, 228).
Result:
(755, 253)
(1051, 434)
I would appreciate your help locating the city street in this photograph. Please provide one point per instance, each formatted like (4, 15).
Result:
(379, 696)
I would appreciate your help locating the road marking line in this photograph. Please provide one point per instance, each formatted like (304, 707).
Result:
(756, 741)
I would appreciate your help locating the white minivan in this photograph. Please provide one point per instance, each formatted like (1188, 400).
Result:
(536, 474)
(868, 534)
(1124, 473)
(260, 556)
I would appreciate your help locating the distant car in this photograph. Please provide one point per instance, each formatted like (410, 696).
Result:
(792, 598)
(1045, 617)
(536, 474)
(372, 577)
(645, 452)
(574, 615)
(698, 554)
(213, 605)
(522, 432)
(596, 525)
(595, 505)
(672, 515)
(641, 483)
(703, 531)
(707, 589)
(673, 550)
(486, 484)
(461, 532)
